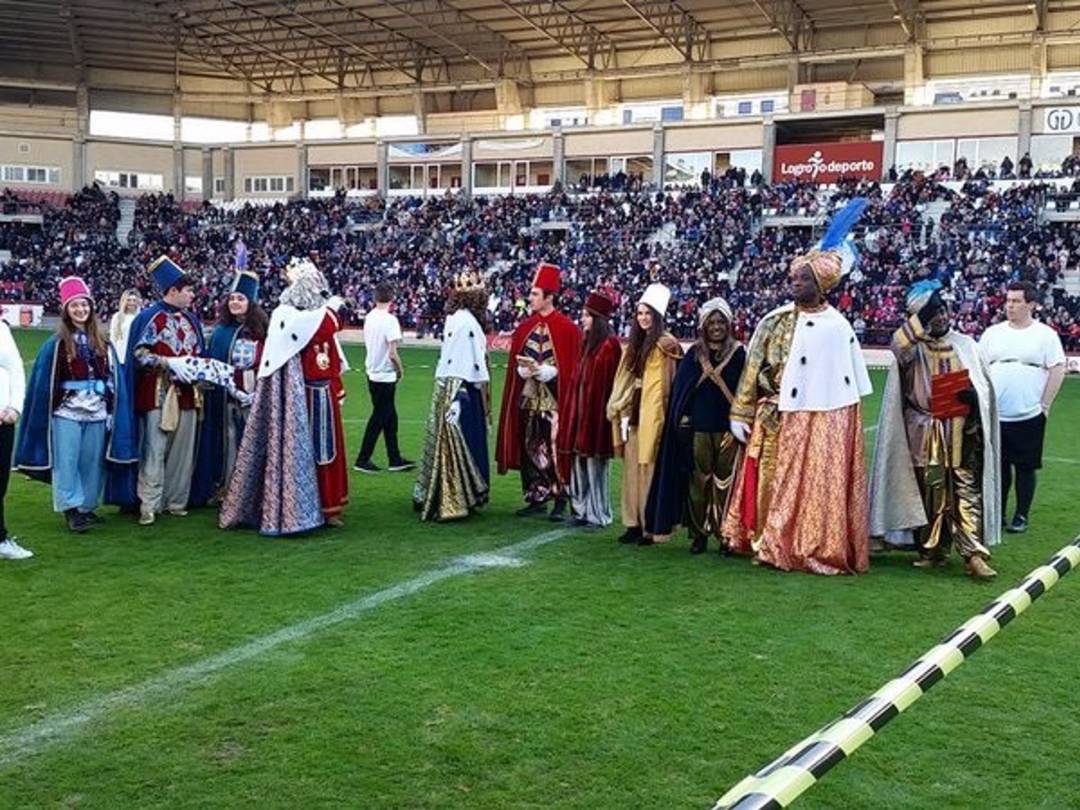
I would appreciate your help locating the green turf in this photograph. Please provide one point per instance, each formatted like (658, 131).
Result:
(597, 676)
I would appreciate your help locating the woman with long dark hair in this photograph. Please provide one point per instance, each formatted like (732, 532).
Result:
(237, 340)
(68, 405)
(638, 406)
(587, 420)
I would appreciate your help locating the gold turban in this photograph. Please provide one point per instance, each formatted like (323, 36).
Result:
(826, 265)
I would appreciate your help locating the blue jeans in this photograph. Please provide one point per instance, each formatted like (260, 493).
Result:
(78, 464)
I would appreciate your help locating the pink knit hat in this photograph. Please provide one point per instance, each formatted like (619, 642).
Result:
(71, 288)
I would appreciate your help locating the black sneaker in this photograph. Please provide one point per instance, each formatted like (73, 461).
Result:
(75, 521)
(92, 518)
(631, 536)
(1019, 525)
(531, 509)
(366, 467)
(699, 545)
(558, 511)
(401, 465)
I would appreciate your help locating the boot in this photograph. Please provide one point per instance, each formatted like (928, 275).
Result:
(558, 511)
(977, 567)
(699, 545)
(530, 510)
(631, 536)
(75, 521)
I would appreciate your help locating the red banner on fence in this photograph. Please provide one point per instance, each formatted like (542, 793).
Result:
(827, 162)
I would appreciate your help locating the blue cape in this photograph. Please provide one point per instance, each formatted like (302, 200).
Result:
(665, 506)
(210, 455)
(121, 483)
(33, 449)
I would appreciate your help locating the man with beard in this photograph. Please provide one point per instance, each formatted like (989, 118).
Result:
(698, 454)
(935, 473)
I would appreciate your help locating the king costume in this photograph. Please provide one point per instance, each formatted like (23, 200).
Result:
(935, 474)
(800, 497)
(454, 476)
(291, 474)
(532, 438)
(698, 455)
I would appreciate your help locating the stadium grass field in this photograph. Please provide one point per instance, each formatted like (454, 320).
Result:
(594, 676)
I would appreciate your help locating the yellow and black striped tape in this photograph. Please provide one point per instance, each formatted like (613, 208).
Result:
(780, 782)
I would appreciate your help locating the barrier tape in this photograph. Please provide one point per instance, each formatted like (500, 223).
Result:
(782, 781)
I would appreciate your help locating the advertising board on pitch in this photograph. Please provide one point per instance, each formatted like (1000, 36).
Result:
(828, 162)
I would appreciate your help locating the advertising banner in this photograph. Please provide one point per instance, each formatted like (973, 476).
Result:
(828, 162)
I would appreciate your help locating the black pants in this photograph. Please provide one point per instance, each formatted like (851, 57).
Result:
(1025, 489)
(383, 420)
(7, 446)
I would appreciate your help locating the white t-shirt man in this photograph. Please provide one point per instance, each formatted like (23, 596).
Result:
(1019, 360)
(380, 329)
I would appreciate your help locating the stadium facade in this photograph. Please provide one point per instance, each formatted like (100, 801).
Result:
(429, 96)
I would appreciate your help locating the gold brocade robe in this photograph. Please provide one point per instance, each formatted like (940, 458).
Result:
(757, 404)
(649, 393)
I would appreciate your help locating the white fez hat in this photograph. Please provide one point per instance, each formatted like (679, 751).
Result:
(656, 296)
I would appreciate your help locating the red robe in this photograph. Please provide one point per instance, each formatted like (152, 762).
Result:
(587, 419)
(566, 338)
(333, 476)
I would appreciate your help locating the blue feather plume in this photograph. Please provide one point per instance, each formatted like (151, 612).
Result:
(842, 223)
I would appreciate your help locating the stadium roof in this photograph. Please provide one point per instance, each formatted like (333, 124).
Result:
(321, 46)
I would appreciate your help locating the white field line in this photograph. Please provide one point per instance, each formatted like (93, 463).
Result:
(17, 744)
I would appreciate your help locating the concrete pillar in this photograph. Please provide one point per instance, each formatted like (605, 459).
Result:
(302, 169)
(230, 173)
(768, 148)
(697, 88)
(892, 120)
(207, 174)
(658, 154)
(1023, 140)
(1038, 68)
(179, 177)
(558, 156)
(382, 167)
(913, 73)
(420, 111)
(466, 165)
(80, 172)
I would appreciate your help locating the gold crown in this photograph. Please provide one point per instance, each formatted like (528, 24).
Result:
(467, 282)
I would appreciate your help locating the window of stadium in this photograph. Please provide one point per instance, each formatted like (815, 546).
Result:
(131, 125)
(37, 175)
(193, 184)
(219, 185)
(133, 180)
(269, 184)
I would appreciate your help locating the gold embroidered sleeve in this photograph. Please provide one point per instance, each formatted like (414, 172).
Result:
(746, 395)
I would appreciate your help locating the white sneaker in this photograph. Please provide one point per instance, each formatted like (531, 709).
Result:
(10, 550)
(146, 517)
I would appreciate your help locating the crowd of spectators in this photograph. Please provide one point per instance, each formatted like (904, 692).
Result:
(717, 239)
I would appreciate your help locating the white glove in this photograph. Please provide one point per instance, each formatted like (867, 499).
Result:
(546, 373)
(453, 413)
(624, 428)
(524, 372)
(741, 431)
(335, 302)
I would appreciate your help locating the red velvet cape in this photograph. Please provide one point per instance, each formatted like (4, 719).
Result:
(566, 339)
(587, 419)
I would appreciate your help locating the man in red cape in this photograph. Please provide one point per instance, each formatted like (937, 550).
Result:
(543, 353)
